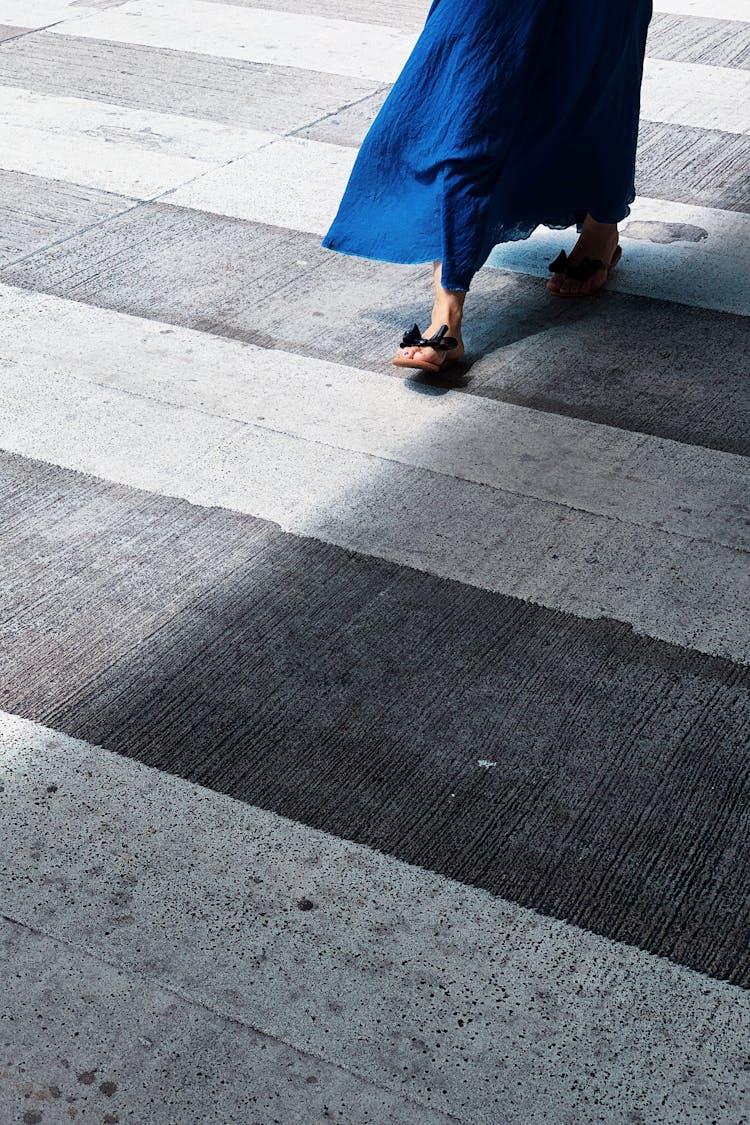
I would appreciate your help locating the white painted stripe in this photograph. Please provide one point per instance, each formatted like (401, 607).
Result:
(79, 118)
(544, 550)
(127, 1033)
(412, 13)
(647, 481)
(704, 97)
(710, 9)
(123, 168)
(711, 273)
(39, 13)
(137, 153)
(405, 14)
(680, 93)
(293, 183)
(309, 42)
(168, 881)
(298, 183)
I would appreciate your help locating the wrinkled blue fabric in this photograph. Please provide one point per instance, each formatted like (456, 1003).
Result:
(509, 114)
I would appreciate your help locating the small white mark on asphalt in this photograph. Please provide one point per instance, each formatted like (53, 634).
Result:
(485, 765)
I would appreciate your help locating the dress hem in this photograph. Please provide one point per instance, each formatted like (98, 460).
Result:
(520, 233)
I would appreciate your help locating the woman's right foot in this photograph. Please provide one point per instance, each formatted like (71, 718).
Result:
(598, 241)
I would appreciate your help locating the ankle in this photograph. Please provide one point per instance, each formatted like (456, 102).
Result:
(596, 225)
(447, 312)
(600, 232)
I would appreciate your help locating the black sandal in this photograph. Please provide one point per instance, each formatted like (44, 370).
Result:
(582, 271)
(440, 342)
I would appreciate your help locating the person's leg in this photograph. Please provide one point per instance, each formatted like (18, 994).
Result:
(596, 241)
(448, 308)
(603, 138)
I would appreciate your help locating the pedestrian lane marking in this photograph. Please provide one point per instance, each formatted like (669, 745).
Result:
(136, 153)
(696, 95)
(575, 516)
(260, 35)
(708, 9)
(680, 252)
(671, 252)
(466, 436)
(184, 851)
(337, 46)
(40, 13)
(545, 550)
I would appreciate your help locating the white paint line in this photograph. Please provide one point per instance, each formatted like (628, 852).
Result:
(675, 587)
(710, 273)
(308, 42)
(297, 184)
(293, 183)
(133, 152)
(412, 13)
(168, 133)
(704, 97)
(681, 93)
(128, 1033)
(170, 881)
(122, 168)
(39, 13)
(710, 9)
(648, 481)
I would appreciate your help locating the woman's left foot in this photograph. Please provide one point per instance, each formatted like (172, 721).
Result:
(447, 315)
(597, 242)
(421, 357)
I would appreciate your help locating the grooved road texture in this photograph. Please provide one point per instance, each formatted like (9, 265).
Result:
(372, 749)
(360, 697)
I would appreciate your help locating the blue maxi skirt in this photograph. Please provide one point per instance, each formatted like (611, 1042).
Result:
(509, 114)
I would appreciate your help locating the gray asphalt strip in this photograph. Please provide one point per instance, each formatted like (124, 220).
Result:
(367, 699)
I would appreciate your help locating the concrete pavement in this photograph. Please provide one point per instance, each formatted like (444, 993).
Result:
(373, 749)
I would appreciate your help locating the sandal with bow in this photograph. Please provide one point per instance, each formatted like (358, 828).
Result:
(582, 271)
(439, 342)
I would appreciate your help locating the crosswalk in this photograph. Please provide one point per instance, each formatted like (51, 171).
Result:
(462, 669)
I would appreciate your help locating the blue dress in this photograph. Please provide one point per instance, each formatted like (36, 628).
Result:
(507, 115)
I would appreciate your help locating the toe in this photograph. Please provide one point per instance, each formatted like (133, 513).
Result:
(426, 355)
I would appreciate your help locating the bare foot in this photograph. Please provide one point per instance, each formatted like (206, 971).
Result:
(447, 309)
(596, 241)
(430, 355)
